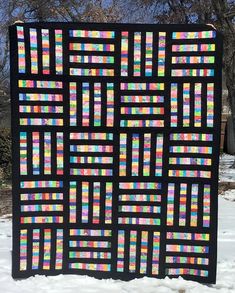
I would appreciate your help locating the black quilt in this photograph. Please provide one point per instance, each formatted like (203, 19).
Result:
(116, 131)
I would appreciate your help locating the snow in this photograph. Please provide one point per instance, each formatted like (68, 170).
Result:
(229, 195)
(226, 174)
(82, 284)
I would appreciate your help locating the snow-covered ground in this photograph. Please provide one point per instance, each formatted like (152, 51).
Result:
(229, 194)
(81, 284)
(226, 174)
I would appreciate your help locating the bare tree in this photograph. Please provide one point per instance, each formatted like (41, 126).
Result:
(225, 15)
(6, 18)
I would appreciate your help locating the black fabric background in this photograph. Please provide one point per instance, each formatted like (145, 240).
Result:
(16, 128)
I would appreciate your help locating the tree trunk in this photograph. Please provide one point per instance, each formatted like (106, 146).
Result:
(226, 26)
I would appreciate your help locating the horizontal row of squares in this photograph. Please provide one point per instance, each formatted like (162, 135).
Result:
(92, 249)
(92, 154)
(136, 203)
(89, 202)
(93, 104)
(141, 53)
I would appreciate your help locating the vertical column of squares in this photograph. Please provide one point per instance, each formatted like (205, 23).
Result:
(206, 205)
(161, 53)
(36, 153)
(96, 203)
(90, 202)
(140, 249)
(159, 155)
(108, 202)
(174, 105)
(143, 48)
(91, 104)
(41, 144)
(147, 154)
(110, 105)
(47, 153)
(132, 253)
(198, 105)
(60, 153)
(186, 104)
(143, 252)
(194, 206)
(97, 104)
(124, 53)
(210, 105)
(149, 54)
(156, 253)
(40, 49)
(59, 249)
(123, 154)
(182, 204)
(73, 103)
(120, 250)
(43, 247)
(23, 249)
(33, 50)
(59, 51)
(135, 160)
(193, 203)
(85, 103)
(45, 51)
(85, 201)
(137, 54)
(21, 49)
(47, 250)
(194, 99)
(135, 155)
(35, 249)
(170, 204)
(72, 201)
(23, 153)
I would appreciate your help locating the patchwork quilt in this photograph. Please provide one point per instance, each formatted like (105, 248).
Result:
(116, 131)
